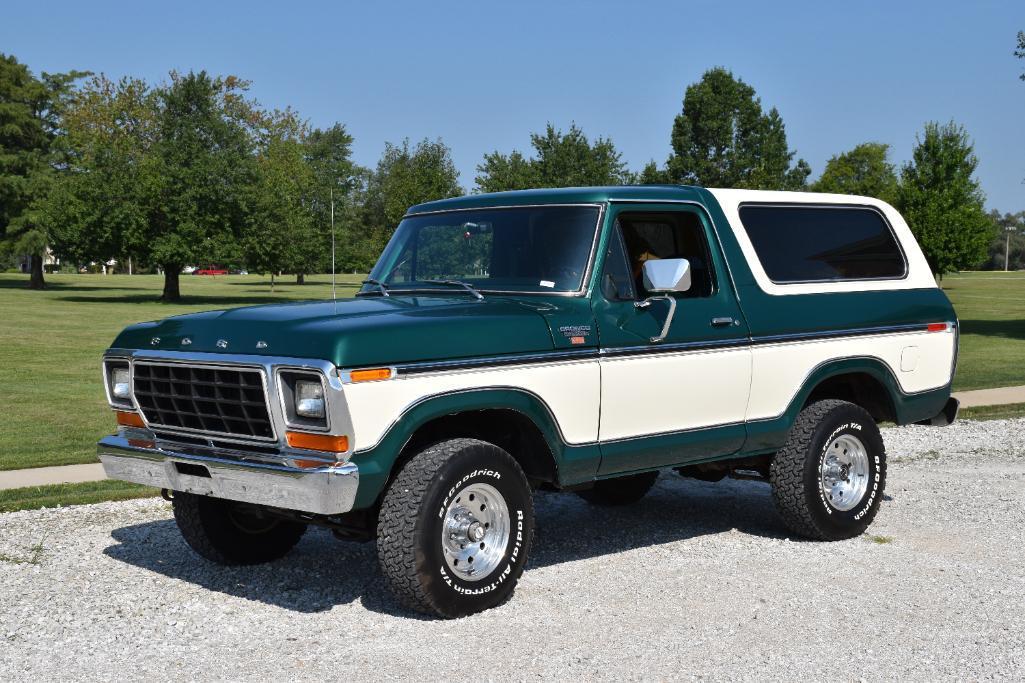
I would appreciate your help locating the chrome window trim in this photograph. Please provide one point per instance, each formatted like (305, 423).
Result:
(711, 222)
(821, 205)
(585, 280)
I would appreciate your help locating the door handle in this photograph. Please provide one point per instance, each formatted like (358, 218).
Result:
(722, 322)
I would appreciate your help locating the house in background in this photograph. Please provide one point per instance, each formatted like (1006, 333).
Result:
(50, 262)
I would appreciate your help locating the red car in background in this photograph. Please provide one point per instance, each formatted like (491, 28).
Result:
(210, 270)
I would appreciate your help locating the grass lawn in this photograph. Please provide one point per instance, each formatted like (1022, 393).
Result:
(991, 308)
(51, 343)
(1005, 412)
(35, 497)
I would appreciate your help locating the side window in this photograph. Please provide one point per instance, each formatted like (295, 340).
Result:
(668, 235)
(822, 243)
(616, 279)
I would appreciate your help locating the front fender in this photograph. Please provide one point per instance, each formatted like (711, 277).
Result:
(573, 464)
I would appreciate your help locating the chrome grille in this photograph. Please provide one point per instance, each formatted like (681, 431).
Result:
(203, 399)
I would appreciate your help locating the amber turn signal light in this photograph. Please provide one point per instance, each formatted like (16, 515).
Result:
(318, 442)
(370, 374)
(129, 419)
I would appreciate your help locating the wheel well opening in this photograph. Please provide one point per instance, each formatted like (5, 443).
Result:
(861, 389)
(510, 430)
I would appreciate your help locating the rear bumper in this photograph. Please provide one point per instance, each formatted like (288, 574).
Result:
(322, 490)
(945, 417)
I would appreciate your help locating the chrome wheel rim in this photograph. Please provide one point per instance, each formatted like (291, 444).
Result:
(475, 532)
(844, 472)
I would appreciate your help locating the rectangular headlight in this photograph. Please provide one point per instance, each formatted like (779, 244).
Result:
(116, 377)
(119, 387)
(309, 400)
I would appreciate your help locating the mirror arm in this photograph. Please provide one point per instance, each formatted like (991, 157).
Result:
(669, 318)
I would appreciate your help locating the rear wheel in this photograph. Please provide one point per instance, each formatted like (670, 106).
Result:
(231, 533)
(455, 528)
(828, 478)
(620, 490)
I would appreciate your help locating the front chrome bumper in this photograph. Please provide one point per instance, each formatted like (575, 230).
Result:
(327, 490)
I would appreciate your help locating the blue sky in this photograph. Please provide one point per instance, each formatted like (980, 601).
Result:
(483, 75)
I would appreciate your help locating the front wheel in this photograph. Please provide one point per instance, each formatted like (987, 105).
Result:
(231, 533)
(828, 478)
(455, 528)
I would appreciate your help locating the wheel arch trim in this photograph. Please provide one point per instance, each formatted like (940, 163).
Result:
(376, 462)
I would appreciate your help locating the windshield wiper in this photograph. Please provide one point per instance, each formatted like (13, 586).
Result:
(371, 281)
(458, 283)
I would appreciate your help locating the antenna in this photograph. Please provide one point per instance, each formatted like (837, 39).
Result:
(334, 288)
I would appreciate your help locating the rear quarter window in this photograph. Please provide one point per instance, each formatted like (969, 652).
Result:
(822, 243)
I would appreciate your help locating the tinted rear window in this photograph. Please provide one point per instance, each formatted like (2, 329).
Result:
(817, 243)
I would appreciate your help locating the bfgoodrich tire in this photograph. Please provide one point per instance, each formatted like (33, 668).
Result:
(828, 478)
(455, 528)
(620, 490)
(229, 533)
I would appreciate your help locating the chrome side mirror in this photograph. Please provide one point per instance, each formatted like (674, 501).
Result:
(665, 276)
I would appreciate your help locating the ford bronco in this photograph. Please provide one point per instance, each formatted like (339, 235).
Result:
(575, 339)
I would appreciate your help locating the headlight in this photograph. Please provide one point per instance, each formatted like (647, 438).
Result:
(118, 383)
(119, 387)
(309, 400)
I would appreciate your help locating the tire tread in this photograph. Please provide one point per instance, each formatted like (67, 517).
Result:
(400, 511)
(787, 472)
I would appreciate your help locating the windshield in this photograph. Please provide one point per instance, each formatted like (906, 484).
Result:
(529, 249)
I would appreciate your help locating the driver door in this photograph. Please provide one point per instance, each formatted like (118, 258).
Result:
(683, 398)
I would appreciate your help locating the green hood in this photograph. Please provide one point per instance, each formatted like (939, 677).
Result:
(359, 332)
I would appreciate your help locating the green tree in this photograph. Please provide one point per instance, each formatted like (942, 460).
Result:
(501, 172)
(31, 155)
(282, 234)
(1008, 246)
(723, 138)
(651, 174)
(103, 205)
(205, 164)
(942, 201)
(405, 175)
(560, 160)
(335, 177)
(1020, 52)
(864, 170)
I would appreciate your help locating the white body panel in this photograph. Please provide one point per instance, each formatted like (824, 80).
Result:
(779, 370)
(570, 389)
(919, 276)
(671, 392)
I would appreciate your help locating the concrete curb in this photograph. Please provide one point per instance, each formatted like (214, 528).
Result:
(991, 397)
(43, 476)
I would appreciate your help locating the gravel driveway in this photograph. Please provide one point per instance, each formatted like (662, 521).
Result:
(696, 581)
